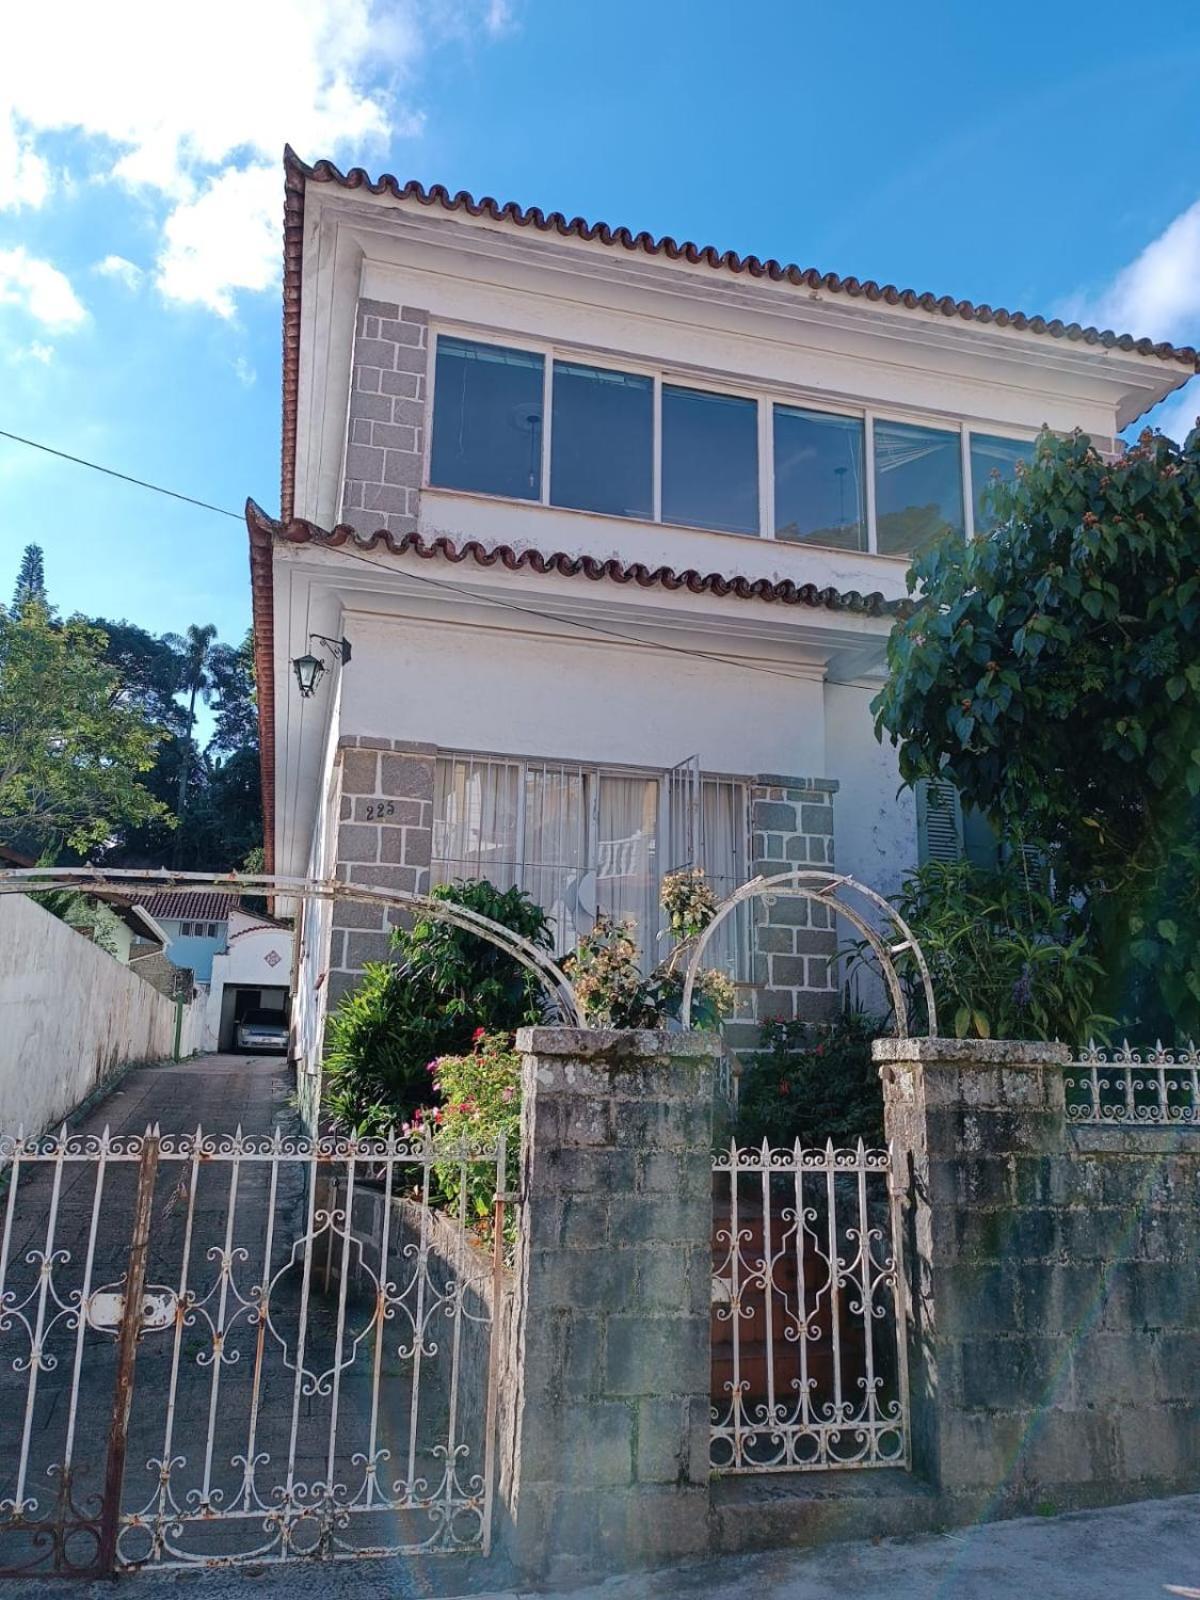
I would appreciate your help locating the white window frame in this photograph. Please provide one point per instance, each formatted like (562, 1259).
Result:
(766, 397)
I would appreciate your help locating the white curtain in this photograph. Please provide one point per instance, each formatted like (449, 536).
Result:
(555, 839)
(723, 805)
(627, 856)
(475, 812)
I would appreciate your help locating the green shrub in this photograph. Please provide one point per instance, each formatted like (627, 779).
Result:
(480, 1100)
(813, 1082)
(444, 986)
(1005, 955)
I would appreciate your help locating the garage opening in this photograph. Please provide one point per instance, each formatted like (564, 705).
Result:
(240, 1000)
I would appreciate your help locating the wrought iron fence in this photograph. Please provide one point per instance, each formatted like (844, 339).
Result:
(1155, 1088)
(204, 1360)
(809, 1360)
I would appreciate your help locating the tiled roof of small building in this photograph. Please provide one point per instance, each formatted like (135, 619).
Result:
(197, 905)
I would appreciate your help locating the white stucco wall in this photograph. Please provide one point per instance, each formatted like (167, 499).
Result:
(70, 1016)
(520, 691)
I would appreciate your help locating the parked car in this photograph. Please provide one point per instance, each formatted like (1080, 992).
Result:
(262, 1030)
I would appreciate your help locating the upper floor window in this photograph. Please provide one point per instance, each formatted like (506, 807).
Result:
(602, 441)
(993, 458)
(819, 484)
(709, 460)
(487, 419)
(589, 437)
(918, 486)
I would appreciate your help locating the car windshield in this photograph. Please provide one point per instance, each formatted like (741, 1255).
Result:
(263, 1019)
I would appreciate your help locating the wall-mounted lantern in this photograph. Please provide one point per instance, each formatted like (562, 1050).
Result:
(310, 669)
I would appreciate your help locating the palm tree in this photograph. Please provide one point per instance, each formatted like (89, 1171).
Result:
(194, 650)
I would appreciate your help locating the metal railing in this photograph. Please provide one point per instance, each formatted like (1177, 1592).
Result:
(809, 1358)
(1131, 1088)
(206, 1360)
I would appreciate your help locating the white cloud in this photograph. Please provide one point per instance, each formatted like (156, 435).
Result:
(35, 350)
(191, 108)
(39, 289)
(244, 373)
(1157, 296)
(126, 272)
(1181, 413)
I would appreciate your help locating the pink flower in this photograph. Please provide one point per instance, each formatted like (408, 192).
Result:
(507, 1093)
(480, 1033)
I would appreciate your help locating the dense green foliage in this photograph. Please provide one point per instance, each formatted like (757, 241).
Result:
(813, 1082)
(1007, 958)
(73, 754)
(443, 987)
(480, 1102)
(1051, 671)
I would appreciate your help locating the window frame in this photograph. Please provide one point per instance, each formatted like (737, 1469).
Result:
(764, 395)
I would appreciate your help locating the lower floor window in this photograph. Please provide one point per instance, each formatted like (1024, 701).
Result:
(583, 840)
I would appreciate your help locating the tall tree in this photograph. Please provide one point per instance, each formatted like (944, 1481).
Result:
(1051, 671)
(194, 650)
(31, 577)
(71, 753)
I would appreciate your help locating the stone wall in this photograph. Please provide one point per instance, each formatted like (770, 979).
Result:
(1055, 1327)
(384, 840)
(608, 1465)
(386, 424)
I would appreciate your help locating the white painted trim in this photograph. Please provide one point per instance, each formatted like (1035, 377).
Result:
(968, 487)
(869, 481)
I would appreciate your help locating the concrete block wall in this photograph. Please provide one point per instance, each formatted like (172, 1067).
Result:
(385, 443)
(1055, 1331)
(609, 1459)
(384, 840)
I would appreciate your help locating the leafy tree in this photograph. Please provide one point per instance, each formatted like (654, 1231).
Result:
(194, 650)
(1051, 671)
(31, 577)
(231, 676)
(71, 753)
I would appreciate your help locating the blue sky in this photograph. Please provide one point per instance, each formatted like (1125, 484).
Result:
(999, 152)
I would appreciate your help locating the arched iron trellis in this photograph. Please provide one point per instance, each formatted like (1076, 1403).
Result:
(119, 880)
(827, 889)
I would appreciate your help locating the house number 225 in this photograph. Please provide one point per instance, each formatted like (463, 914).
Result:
(379, 808)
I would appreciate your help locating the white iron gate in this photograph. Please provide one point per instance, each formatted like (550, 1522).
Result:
(230, 1349)
(808, 1328)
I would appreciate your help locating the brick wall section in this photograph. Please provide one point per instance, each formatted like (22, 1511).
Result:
(384, 840)
(791, 821)
(385, 441)
(609, 1462)
(1055, 1334)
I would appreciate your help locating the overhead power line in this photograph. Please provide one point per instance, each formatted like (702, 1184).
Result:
(435, 583)
(111, 472)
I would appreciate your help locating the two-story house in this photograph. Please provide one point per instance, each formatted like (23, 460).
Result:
(615, 528)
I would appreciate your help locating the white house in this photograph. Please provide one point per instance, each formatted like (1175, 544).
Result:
(250, 974)
(615, 529)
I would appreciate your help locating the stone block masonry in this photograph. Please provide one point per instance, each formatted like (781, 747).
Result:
(795, 942)
(1055, 1319)
(384, 840)
(385, 441)
(608, 1462)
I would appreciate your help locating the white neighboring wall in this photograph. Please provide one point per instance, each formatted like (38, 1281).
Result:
(70, 1017)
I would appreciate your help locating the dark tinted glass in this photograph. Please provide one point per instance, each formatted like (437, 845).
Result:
(918, 486)
(602, 441)
(992, 458)
(709, 460)
(487, 419)
(819, 493)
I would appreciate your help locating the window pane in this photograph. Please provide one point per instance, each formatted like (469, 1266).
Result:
(992, 458)
(602, 441)
(555, 861)
(819, 492)
(918, 486)
(709, 460)
(475, 806)
(487, 419)
(627, 857)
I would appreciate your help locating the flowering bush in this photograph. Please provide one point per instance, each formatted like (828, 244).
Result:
(814, 1081)
(480, 1095)
(689, 902)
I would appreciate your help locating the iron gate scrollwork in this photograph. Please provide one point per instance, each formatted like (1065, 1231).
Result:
(291, 1353)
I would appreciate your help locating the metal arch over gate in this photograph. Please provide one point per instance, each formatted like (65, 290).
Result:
(232, 1349)
(829, 890)
(118, 881)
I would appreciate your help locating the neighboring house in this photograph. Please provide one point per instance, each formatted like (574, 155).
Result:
(617, 529)
(242, 960)
(128, 932)
(196, 923)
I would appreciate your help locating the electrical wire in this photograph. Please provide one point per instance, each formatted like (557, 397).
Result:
(435, 583)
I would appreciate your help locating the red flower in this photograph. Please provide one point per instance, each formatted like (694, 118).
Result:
(479, 1033)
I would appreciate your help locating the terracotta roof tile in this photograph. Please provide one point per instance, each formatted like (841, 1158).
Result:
(181, 905)
(783, 591)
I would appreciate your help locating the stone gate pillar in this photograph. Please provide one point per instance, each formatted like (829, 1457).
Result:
(608, 1465)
